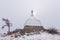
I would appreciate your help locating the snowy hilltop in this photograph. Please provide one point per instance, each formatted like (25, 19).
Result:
(23, 34)
(32, 36)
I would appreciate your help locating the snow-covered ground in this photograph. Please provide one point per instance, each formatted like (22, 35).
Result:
(41, 36)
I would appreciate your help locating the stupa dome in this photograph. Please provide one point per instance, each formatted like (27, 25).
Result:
(32, 21)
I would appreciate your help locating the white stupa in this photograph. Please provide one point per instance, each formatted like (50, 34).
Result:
(32, 21)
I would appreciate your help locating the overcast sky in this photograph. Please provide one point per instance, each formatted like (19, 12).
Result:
(18, 11)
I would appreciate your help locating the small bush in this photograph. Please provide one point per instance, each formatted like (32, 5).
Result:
(52, 31)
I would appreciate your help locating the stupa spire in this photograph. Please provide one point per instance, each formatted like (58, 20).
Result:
(32, 13)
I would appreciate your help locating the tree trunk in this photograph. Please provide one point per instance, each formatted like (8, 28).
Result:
(8, 30)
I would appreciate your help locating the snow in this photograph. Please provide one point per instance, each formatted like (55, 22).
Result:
(41, 36)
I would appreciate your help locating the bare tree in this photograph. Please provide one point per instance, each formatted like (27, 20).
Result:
(7, 24)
